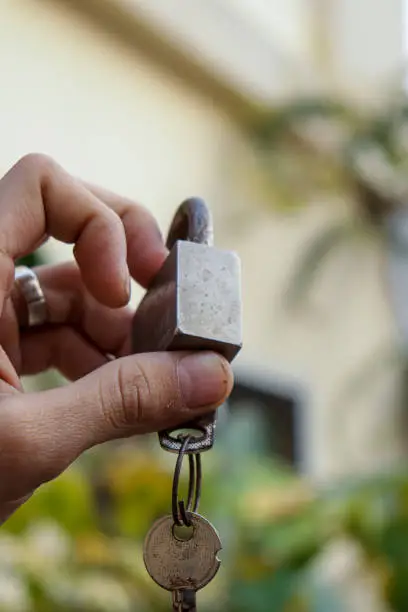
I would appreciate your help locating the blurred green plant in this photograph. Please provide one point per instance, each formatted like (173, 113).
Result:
(32, 259)
(313, 148)
(69, 548)
(353, 157)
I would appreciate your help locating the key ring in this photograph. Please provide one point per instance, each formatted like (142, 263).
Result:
(179, 509)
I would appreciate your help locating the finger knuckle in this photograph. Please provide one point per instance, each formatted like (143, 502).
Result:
(112, 218)
(132, 393)
(101, 218)
(36, 163)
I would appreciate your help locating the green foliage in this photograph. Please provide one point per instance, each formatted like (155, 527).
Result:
(77, 544)
(323, 148)
(59, 555)
(68, 498)
(32, 259)
(332, 237)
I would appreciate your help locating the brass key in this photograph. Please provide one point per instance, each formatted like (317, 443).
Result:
(185, 562)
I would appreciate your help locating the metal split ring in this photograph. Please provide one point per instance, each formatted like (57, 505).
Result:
(179, 508)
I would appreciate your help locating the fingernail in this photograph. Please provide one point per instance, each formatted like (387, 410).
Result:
(204, 378)
(126, 281)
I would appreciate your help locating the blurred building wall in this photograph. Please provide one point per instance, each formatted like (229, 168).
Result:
(73, 87)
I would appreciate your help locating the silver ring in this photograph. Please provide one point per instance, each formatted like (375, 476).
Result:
(30, 288)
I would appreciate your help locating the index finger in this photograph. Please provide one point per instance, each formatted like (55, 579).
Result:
(146, 249)
(39, 199)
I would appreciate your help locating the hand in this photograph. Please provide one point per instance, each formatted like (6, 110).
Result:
(42, 433)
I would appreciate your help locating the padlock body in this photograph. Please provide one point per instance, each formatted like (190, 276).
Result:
(193, 303)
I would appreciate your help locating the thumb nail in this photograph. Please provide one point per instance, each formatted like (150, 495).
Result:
(126, 281)
(205, 379)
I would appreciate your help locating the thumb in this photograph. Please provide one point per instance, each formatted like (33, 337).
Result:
(42, 433)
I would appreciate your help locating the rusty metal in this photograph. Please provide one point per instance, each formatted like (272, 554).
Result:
(194, 303)
(182, 563)
(184, 601)
(181, 511)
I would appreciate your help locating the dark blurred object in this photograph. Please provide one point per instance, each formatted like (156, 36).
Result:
(278, 412)
(31, 260)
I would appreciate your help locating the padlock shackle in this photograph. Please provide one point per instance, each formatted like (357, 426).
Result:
(192, 222)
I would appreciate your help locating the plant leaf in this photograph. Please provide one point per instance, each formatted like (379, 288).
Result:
(305, 273)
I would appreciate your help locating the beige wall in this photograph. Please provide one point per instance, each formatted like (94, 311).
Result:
(106, 114)
(285, 21)
(367, 42)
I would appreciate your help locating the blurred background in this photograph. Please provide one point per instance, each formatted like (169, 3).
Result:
(290, 118)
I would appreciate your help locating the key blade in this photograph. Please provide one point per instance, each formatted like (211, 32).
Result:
(184, 601)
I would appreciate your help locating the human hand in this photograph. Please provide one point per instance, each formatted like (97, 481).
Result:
(88, 321)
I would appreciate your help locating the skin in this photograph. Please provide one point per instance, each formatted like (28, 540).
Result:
(112, 394)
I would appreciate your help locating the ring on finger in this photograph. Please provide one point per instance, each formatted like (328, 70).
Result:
(30, 288)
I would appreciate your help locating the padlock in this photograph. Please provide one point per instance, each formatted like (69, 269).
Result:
(194, 303)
